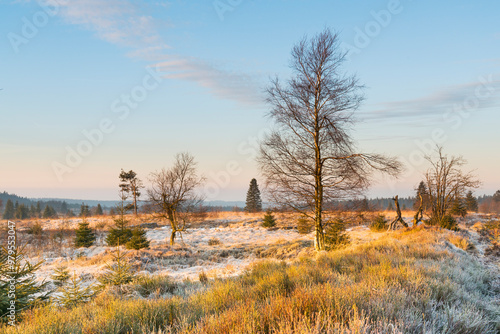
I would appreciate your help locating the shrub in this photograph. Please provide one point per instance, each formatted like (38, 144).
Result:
(146, 285)
(461, 242)
(35, 229)
(138, 239)
(214, 242)
(203, 277)
(304, 225)
(269, 220)
(448, 222)
(379, 224)
(335, 236)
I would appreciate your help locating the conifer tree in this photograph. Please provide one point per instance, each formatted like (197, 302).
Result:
(117, 273)
(84, 210)
(38, 209)
(60, 275)
(496, 196)
(49, 212)
(269, 220)
(9, 210)
(138, 239)
(458, 207)
(85, 237)
(75, 293)
(422, 191)
(32, 212)
(253, 202)
(120, 234)
(471, 202)
(131, 185)
(64, 207)
(22, 212)
(98, 210)
(28, 292)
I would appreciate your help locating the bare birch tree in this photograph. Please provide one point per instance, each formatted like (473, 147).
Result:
(310, 157)
(173, 195)
(445, 182)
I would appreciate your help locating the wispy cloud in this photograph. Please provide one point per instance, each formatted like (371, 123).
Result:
(121, 22)
(481, 94)
(222, 83)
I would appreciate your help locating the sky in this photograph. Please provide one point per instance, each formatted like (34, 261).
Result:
(89, 87)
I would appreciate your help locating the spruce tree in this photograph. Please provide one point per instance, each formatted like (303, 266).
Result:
(22, 212)
(64, 207)
(138, 239)
(120, 234)
(9, 210)
(253, 202)
(471, 202)
(269, 220)
(98, 210)
(60, 276)
(28, 292)
(74, 293)
(458, 207)
(421, 191)
(84, 210)
(38, 209)
(118, 273)
(84, 235)
(49, 212)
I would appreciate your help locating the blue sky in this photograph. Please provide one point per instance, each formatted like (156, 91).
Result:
(148, 79)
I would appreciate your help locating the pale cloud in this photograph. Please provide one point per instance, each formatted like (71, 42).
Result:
(469, 97)
(222, 83)
(121, 22)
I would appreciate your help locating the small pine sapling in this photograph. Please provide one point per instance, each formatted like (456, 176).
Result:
(138, 239)
(74, 293)
(269, 220)
(117, 273)
(335, 236)
(60, 276)
(28, 292)
(85, 237)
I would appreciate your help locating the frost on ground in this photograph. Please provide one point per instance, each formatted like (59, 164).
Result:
(219, 247)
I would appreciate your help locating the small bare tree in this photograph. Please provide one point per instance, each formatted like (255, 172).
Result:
(445, 181)
(173, 193)
(311, 158)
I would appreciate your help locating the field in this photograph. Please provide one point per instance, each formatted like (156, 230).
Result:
(230, 275)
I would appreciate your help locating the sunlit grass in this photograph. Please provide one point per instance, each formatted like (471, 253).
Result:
(411, 281)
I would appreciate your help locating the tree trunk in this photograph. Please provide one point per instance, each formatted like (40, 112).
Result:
(172, 237)
(135, 204)
(319, 239)
(419, 214)
(398, 219)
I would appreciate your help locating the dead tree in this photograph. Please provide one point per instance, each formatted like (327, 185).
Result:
(398, 219)
(311, 158)
(419, 215)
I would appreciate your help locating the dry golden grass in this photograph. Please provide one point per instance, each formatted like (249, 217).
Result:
(409, 281)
